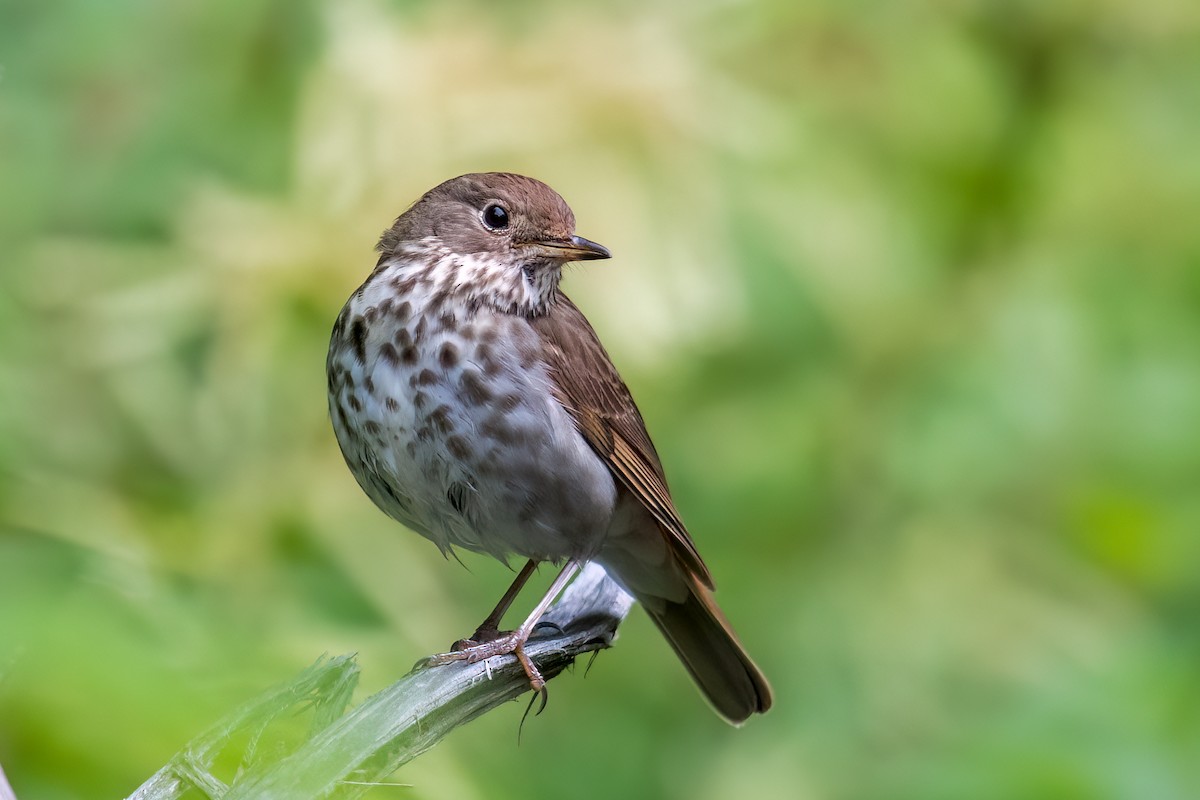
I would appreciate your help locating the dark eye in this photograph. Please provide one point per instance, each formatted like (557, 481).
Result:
(495, 217)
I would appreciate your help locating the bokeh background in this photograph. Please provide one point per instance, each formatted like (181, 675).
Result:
(909, 294)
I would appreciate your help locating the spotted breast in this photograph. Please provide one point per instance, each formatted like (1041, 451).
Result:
(446, 417)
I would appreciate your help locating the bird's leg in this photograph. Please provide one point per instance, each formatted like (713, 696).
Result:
(489, 629)
(513, 642)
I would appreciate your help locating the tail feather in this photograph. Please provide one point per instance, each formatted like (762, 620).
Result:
(706, 644)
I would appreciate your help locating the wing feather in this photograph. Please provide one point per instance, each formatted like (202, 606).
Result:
(599, 402)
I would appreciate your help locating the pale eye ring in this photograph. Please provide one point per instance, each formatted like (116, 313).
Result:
(495, 217)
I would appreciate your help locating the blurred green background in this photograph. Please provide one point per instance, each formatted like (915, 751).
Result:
(909, 294)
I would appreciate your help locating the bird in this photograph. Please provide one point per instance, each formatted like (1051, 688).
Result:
(475, 404)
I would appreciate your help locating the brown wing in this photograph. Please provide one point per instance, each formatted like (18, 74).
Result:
(603, 409)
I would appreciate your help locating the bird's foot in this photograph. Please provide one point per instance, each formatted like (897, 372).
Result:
(486, 644)
(488, 641)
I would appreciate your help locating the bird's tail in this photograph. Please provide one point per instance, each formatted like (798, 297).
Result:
(708, 647)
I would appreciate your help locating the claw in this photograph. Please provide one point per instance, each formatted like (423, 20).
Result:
(544, 695)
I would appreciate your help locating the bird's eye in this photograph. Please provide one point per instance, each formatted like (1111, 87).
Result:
(495, 217)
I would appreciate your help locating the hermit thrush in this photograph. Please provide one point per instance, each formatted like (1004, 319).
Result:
(474, 403)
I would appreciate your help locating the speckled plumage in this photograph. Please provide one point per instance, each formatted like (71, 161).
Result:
(447, 418)
(474, 403)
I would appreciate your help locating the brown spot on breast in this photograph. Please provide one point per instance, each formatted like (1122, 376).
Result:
(458, 447)
(388, 353)
(425, 377)
(358, 339)
(456, 493)
(439, 297)
(489, 335)
(353, 401)
(403, 311)
(487, 359)
(369, 385)
(372, 427)
(402, 338)
(508, 402)
(474, 387)
(528, 353)
(447, 355)
(496, 428)
(403, 286)
(447, 321)
(409, 355)
(391, 404)
(339, 324)
(439, 418)
(467, 332)
(419, 400)
(420, 330)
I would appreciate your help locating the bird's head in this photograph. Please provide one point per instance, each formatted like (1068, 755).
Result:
(503, 239)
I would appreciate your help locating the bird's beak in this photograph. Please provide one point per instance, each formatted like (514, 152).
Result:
(576, 248)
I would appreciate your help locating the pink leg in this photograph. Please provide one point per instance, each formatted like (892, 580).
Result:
(489, 629)
(513, 642)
